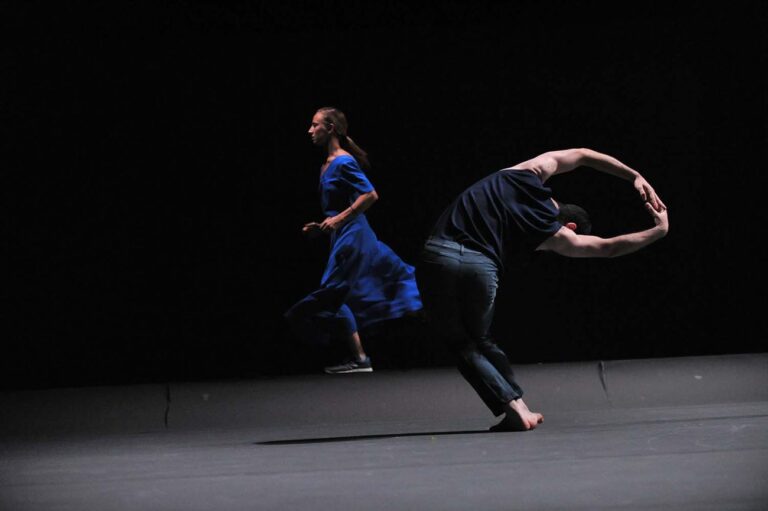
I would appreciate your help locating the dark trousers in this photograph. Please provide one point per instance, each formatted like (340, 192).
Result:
(458, 288)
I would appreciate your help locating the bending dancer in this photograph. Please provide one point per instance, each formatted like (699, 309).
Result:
(364, 280)
(503, 214)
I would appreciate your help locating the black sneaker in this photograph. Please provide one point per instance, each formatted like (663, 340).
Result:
(353, 366)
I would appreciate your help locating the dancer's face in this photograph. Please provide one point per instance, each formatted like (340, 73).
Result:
(318, 130)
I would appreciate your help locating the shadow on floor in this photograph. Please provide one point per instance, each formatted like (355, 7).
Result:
(367, 437)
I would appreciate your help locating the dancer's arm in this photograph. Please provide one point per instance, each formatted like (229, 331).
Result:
(568, 243)
(552, 163)
(361, 204)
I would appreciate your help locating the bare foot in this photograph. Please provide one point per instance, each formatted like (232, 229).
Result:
(511, 422)
(532, 417)
(518, 418)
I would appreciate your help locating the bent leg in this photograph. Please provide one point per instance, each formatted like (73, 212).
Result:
(496, 357)
(482, 363)
(458, 288)
(437, 278)
(489, 384)
(323, 313)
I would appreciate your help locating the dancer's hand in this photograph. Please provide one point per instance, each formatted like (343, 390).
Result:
(312, 230)
(660, 218)
(648, 194)
(332, 223)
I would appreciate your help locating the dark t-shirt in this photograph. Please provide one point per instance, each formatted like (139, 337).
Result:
(507, 213)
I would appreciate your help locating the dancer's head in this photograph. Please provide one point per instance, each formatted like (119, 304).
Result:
(329, 123)
(574, 218)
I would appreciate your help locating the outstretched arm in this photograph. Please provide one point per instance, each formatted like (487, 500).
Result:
(568, 243)
(552, 163)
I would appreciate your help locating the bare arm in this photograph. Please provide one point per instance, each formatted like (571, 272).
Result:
(552, 163)
(568, 243)
(361, 204)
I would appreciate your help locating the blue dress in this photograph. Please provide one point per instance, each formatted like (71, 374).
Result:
(364, 281)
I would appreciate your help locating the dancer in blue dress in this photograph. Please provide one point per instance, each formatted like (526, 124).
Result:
(364, 281)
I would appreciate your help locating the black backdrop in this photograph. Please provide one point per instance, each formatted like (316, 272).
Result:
(157, 171)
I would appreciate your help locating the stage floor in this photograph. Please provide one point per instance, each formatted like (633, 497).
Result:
(681, 433)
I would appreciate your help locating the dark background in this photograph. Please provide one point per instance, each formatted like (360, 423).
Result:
(157, 172)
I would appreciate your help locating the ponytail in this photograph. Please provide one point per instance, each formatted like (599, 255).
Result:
(339, 120)
(355, 150)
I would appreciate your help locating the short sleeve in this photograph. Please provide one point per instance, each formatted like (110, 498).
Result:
(351, 173)
(537, 215)
(540, 219)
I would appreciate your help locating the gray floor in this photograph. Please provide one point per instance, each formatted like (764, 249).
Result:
(682, 434)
